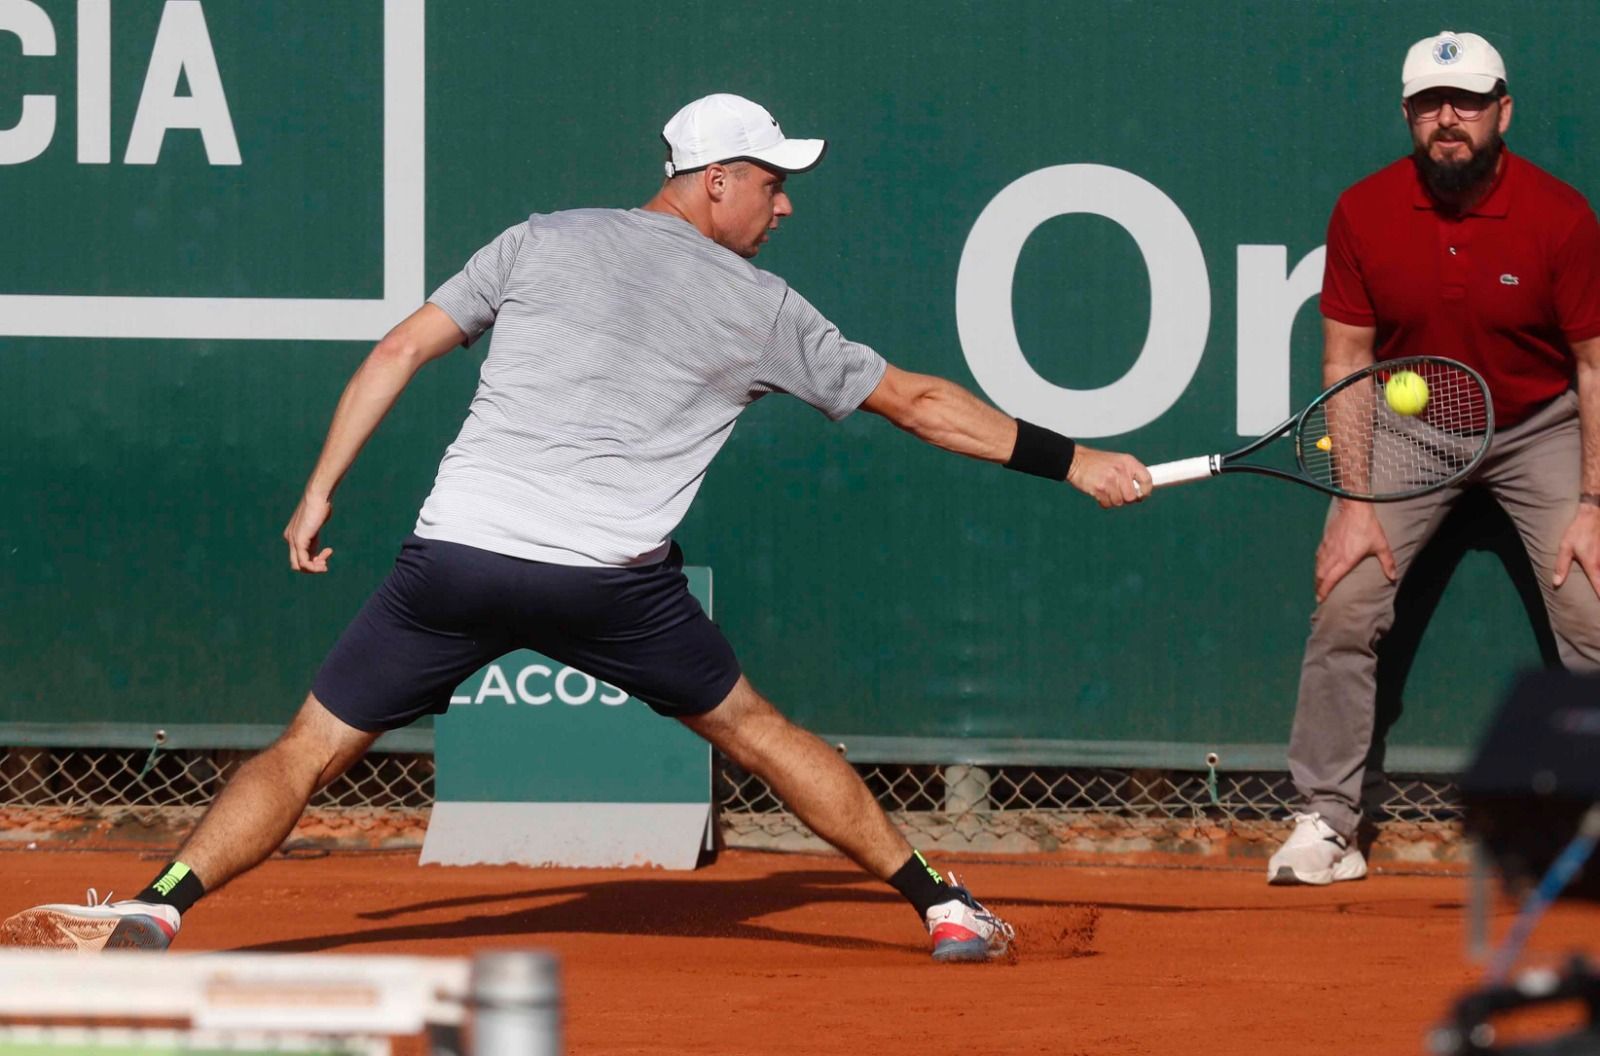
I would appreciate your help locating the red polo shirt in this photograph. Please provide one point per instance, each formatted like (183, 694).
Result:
(1506, 289)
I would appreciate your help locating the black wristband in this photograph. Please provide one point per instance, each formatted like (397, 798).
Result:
(1041, 452)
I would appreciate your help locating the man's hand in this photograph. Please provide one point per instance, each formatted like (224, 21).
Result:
(1351, 537)
(1581, 542)
(303, 532)
(1109, 477)
(424, 335)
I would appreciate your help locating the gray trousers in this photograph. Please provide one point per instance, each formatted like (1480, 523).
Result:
(1533, 471)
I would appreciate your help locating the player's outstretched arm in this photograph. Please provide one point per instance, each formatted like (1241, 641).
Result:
(944, 414)
(426, 334)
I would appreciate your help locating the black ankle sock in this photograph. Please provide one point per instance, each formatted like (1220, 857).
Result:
(176, 886)
(920, 883)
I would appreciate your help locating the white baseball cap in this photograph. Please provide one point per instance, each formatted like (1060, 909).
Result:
(1451, 60)
(723, 127)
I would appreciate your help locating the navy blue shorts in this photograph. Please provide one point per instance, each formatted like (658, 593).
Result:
(447, 609)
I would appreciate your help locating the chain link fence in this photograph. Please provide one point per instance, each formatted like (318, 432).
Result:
(1098, 810)
(147, 797)
(139, 796)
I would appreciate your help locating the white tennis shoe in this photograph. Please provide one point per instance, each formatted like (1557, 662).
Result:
(1315, 854)
(98, 925)
(963, 930)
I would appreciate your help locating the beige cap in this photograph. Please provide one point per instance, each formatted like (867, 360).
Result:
(1451, 60)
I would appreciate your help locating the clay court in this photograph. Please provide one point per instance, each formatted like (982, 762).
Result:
(761, 953)
(506, 276)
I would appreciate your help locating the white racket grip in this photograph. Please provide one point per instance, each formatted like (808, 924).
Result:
(1184, 470)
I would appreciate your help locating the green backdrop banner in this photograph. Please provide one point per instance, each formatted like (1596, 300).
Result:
(526, 729)
(1106, 216)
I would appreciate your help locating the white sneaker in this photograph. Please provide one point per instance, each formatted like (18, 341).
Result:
(963, 930)
(99, 925)
(1315, 854)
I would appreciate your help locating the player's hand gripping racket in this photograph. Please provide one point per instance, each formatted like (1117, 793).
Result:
(1396, 429)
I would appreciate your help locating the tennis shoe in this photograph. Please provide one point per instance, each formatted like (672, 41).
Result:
(98, 925)
(963, 930)
(1315, 854)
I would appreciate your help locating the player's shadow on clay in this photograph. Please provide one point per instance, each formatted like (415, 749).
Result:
(663, 907)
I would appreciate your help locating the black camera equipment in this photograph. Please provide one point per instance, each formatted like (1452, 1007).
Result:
(1531, 800)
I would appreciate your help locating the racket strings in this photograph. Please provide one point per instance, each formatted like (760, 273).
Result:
(1354, 442)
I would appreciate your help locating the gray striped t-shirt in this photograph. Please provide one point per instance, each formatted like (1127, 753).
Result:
(625, 345)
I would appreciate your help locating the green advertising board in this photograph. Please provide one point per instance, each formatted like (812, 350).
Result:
(538, 763)
(1106, 215)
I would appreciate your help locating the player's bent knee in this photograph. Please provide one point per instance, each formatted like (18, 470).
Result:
(321, 742)
(741, 725)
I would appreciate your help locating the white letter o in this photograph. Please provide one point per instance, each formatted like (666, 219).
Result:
(1180, 300)
(589, 686)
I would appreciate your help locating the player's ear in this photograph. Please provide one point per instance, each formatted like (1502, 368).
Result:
(715, 179)
(1505, 113)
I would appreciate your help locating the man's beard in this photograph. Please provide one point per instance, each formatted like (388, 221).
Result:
(1457, 181)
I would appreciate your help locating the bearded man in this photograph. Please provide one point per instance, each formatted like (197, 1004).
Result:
(1464, 250)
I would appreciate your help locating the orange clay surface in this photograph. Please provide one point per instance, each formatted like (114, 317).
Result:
(766, 953)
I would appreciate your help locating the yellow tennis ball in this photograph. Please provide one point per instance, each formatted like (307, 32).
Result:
(1325, 444)
(1406, 393)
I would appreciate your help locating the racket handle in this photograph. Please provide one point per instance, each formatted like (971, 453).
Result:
(1184, 470)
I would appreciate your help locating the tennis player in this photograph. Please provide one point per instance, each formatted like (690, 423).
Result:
(1463, 250)
(626, 344)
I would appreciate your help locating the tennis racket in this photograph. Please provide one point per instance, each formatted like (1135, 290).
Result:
(1353, 442)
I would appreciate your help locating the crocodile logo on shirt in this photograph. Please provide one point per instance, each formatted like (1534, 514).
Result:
(1509, 279)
